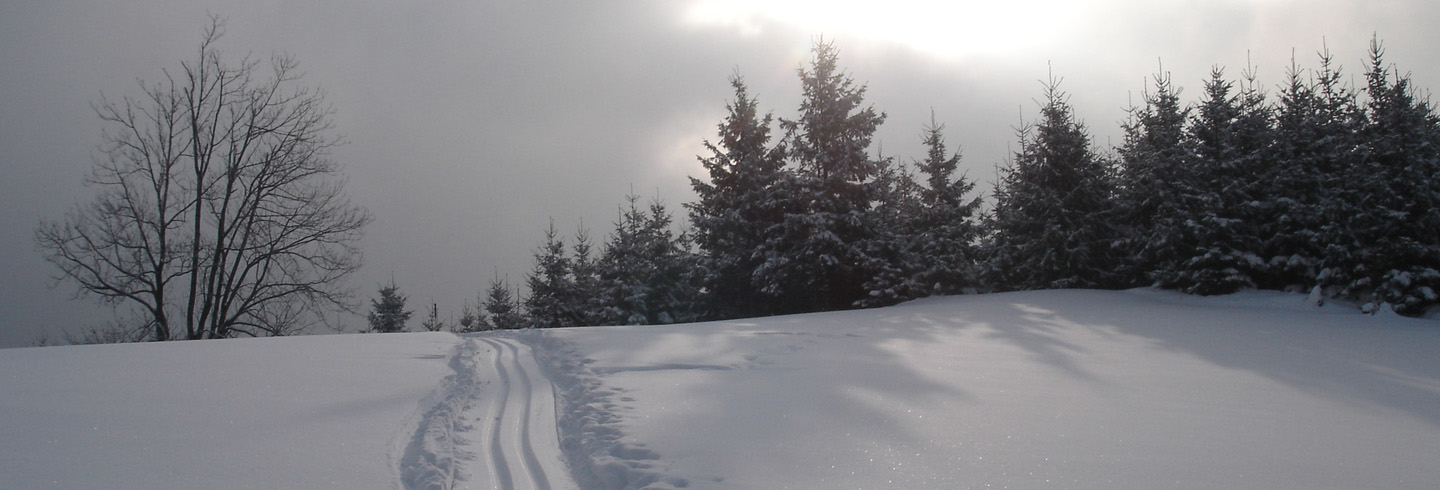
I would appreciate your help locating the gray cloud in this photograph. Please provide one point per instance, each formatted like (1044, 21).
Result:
(472, 124)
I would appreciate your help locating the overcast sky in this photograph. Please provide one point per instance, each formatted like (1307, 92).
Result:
(470, 124)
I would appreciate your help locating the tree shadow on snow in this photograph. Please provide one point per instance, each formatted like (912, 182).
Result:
(743, 382)
(1333, 354)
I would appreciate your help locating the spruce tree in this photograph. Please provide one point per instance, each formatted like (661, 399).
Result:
(1158, 188)
(624, 268)
(432, 322)
(503, 309)
(1231, 134)
(1317, 126)
(552, 289)
(387, 313)
(472, 320)
(1394, 220)
(1051, 225)
(588, 299)
(946, 230)
(743, 201)
(820, 256)
(929, 231)
(895, 240)
(644, 271)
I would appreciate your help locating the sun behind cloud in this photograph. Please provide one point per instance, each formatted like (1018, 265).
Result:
(949, 30)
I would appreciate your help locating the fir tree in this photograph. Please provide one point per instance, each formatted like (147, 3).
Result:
(387, 313)
(1051, 226)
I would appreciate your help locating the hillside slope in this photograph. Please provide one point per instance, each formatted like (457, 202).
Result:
(1062, 389)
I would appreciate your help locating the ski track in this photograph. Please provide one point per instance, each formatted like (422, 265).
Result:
(513, 418)
(499, 469)
(509, 404)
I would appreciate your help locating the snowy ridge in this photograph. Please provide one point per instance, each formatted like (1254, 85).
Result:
(590, 433)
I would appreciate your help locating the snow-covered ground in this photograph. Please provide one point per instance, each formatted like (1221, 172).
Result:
(1054, 389)
(332, 411)
(1061, 389)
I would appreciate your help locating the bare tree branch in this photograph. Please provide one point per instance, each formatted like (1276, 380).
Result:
(220, 213)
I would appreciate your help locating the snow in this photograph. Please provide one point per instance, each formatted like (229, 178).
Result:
(1066, 389)
(332, 411)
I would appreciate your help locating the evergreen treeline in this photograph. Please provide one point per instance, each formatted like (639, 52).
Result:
(1320, 185)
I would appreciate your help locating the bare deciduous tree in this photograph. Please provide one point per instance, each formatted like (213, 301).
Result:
(220, 213)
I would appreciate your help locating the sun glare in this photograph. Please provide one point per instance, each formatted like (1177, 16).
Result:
(945, 29)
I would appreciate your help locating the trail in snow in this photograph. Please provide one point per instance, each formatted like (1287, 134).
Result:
(500, 403)
(592, 433)
(512, 415)
(499, 469)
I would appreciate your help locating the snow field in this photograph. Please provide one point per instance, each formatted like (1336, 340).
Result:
(333, 411)
(1062, 389)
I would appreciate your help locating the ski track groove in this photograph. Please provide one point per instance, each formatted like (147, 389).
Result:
(537, 473)
(501, 470)
(512, 418)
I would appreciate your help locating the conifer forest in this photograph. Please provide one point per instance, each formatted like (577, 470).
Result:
(1315, 186)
